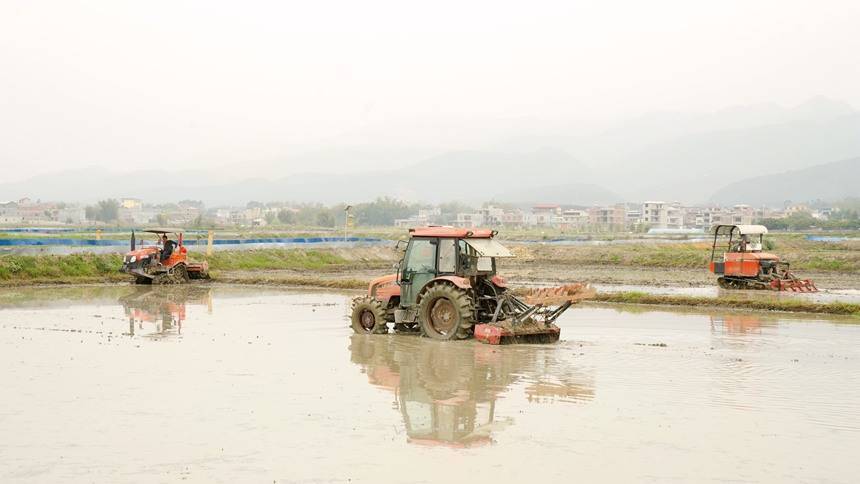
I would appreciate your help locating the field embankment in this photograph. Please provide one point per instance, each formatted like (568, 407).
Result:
(733, 302)
(90, 268)
(831, 264)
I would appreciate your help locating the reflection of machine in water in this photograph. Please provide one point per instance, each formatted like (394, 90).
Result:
(447, 392)
(163, 306)
(738, 323)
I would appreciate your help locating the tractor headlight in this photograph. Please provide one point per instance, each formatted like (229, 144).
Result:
(132, 259)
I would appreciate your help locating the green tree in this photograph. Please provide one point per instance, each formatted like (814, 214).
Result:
(287, 217)
(103, 211)
(109, 210)
(450, 210)
(325, 219)
(198, 204)
(384, 211)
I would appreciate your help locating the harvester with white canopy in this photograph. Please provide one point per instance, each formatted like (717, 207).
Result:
(744, 265)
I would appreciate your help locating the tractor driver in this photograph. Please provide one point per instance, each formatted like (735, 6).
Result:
(745, 243)
(741, 244)
(167, 248)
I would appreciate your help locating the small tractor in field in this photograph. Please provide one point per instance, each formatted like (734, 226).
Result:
(166, 262)
(745, 266)
(446, 287)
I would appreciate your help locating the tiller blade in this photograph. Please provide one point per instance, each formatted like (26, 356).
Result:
(532, 318)
(794, 285)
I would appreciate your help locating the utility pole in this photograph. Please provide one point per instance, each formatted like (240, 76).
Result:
(346, 221)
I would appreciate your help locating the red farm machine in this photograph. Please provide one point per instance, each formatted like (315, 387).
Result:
(446, 287)
(745, 266)
(165, 262)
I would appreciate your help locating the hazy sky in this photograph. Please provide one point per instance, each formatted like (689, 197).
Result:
(124, 84)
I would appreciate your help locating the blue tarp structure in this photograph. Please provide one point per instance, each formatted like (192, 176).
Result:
(110, 243)
(828, 238)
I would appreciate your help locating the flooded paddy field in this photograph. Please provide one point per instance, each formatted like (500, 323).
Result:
(248, 384)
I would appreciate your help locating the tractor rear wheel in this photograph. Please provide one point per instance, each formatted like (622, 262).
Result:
(445, 313)
(368, 316)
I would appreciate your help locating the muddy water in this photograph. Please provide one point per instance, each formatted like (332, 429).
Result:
(247, 385)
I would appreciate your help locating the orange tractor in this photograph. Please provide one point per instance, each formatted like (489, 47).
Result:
(745, 266)
(166, 262)
(446, 287)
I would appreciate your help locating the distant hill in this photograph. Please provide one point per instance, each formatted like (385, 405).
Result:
(685, 157)
(830, 181)
(565, 194)
(470, 176)
(664, 156)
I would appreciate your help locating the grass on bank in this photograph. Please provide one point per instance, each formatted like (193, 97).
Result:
(34, 269)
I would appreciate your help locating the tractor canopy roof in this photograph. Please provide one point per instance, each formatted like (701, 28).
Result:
(163, 231)
(741, 229)
(489, 248)
(459, 233)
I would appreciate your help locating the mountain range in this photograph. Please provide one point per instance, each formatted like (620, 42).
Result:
(830, 181)
(731, 156)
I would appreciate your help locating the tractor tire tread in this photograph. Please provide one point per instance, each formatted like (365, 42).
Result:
(359, 305)
(462, 302)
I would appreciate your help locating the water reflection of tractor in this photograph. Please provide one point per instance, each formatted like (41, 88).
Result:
(739, 323)
(447, 287)
(164, 308)
(745, 266)
(447, 394)
(165, 262)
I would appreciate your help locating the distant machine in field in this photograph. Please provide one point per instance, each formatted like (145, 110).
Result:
(745, 266)
(446, 287)
(163, 263)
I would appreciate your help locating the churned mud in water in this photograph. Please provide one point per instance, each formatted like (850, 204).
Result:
(245, 384)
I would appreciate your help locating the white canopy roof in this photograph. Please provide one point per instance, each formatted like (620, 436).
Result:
(489, 248)
(741, 229)
(752, 229)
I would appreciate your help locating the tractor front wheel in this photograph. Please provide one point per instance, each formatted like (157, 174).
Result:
(368, 316)
(445, 313)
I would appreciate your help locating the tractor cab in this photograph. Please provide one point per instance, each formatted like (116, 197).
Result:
(166, 261)
(738, 243)
(462, 257)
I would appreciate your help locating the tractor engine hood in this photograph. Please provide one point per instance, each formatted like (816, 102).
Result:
(142, 252)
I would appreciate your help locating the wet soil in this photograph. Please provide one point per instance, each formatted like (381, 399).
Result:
(832, 286)
(251, 384)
